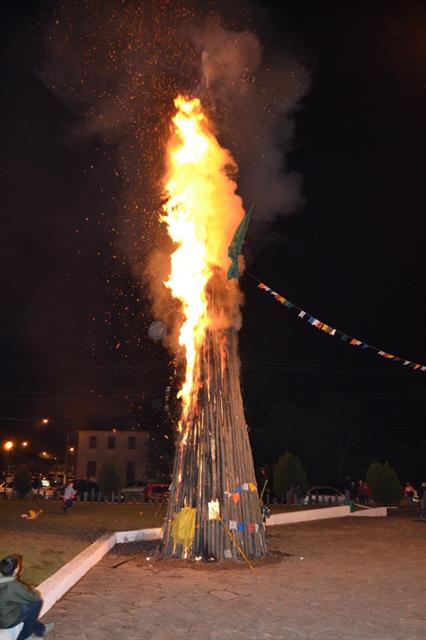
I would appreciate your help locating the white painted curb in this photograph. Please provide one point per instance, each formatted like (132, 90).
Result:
(323, 513)
(373, 512)
(60, 582)
(308, 515)
(138, 534)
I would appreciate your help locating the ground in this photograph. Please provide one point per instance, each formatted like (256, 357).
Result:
(339, 579)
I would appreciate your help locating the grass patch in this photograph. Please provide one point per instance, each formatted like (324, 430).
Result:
(53, 539)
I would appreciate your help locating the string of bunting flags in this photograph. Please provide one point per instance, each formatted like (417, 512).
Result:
(322, 326)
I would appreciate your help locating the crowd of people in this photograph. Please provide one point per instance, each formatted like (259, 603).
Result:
(357, 491)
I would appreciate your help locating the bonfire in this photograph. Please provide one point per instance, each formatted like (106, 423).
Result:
(214, 510)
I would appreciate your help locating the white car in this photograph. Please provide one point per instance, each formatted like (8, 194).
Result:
(7, 490)
(324, 495)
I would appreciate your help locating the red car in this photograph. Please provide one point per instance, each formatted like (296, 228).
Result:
(156, 492)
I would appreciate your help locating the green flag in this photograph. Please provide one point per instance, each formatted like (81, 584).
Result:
(236, 245)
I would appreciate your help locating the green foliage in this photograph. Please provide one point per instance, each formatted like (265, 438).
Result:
(288, 472)
(22, 481)
(110, 479)
(385, 486)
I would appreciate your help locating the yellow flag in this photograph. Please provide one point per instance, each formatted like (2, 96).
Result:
(183, 527)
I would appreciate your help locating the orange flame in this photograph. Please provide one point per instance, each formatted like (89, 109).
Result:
(202, 212)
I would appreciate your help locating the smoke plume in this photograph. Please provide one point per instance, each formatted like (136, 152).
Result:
(120, 65)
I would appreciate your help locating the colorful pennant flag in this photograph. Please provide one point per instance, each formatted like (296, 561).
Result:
(322, 326)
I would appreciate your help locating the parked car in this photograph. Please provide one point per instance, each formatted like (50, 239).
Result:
(157, 492)
(45, 491)
(7, 489)
(324, 495)
(135, 490)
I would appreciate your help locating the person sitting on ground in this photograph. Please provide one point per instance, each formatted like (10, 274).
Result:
(18, 602)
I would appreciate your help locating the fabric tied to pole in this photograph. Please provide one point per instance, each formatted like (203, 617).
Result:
(183, 527)
(236, 245)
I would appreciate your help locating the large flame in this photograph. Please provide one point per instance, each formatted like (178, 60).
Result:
(202, 212)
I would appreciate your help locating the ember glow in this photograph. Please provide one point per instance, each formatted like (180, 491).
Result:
(202, 212)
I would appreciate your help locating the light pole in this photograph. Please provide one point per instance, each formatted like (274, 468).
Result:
(68, 448)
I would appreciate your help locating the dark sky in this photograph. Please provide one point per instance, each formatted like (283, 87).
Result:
(74, 320)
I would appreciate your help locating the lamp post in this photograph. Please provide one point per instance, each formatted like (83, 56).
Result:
(68, 448)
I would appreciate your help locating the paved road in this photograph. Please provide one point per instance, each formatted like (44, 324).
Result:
(345, 579)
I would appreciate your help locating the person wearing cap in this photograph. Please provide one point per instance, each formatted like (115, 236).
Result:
(18, 602)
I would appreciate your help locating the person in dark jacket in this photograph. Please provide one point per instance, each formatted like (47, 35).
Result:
(18, 602)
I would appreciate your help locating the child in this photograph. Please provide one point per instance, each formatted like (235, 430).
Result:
(69, 495)
(19, 603)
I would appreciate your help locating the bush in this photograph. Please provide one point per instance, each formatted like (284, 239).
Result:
(385, 486)
(110, 479)
(22, 481)
(289, 472)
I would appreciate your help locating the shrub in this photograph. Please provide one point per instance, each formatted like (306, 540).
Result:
(22, 481)
(385, 486)
(110, 479)
(289, 472)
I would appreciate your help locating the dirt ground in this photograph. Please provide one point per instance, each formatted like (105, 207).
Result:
(340, 579)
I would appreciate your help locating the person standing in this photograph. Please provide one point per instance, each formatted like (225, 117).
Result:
(18, 602)
(422, 495)
(69, 495)
(409, 493)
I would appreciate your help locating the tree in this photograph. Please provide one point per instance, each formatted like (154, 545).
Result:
(22, 481)
(385, 486)
(289, 472)
(110, 479)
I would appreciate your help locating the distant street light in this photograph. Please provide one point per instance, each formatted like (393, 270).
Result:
(24, 443)
(7, 447)
(45, 421)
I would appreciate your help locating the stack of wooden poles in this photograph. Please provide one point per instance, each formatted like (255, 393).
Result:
(214, 462)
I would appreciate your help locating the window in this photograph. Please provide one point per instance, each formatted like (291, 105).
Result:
(130, 473)
(91, 469)
(111, 442)
(131, 443)
(93, 442)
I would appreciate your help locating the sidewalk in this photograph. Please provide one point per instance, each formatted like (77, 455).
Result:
(348, 579)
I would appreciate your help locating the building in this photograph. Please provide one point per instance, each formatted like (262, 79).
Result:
(130, 449)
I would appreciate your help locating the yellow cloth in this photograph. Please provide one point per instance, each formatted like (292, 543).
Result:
(183, 527)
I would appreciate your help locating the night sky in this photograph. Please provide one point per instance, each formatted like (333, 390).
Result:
(349, 248)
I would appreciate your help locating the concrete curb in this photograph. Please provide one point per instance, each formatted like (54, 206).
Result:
(373, 512)
(323, 513)
(60, 582)
(138, 534)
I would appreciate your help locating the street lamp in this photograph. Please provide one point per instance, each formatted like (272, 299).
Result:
(7, 447)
